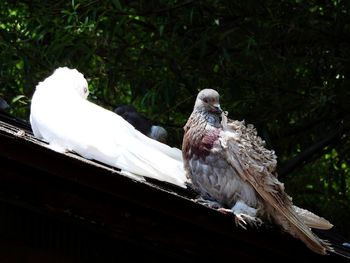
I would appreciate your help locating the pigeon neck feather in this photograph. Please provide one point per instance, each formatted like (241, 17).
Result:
(210, 118)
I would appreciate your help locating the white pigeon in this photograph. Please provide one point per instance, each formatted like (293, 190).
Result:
(61, 115)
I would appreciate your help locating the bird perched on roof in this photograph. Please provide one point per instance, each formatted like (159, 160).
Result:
(95, 133)
(3, 105)
(234, 173)
(142, 124)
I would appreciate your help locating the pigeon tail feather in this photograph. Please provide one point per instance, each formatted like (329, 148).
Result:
(312, 220)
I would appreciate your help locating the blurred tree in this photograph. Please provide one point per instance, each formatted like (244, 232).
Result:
(281, 65)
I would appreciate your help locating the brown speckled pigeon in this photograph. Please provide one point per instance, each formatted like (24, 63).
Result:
(229, 166)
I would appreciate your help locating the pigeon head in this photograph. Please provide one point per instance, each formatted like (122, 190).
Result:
(3, 105)
(124, 109)
(69, 80)
(208, 101)
(158, 133)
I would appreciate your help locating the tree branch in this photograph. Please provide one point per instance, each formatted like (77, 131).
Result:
(307, 154)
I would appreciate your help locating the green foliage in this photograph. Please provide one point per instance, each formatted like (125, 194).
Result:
(281, 65)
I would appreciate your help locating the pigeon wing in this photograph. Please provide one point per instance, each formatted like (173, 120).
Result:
(244, 151)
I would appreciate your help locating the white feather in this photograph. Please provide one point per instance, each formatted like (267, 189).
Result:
(61, 116)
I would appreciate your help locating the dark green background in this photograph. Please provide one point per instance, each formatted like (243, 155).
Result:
(281, 65)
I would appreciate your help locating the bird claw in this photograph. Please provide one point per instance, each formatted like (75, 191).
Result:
(239, 220)
(225, 210)
(244, 220)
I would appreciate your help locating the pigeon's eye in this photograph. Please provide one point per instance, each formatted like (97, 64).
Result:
(205, 100)
(85, 90)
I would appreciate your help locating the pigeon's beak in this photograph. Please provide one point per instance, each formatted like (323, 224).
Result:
(217, 108)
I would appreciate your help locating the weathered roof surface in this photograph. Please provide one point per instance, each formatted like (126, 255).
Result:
(71, 206)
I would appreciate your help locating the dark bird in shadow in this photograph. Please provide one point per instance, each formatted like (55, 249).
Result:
(141, 123)
(3, 105)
